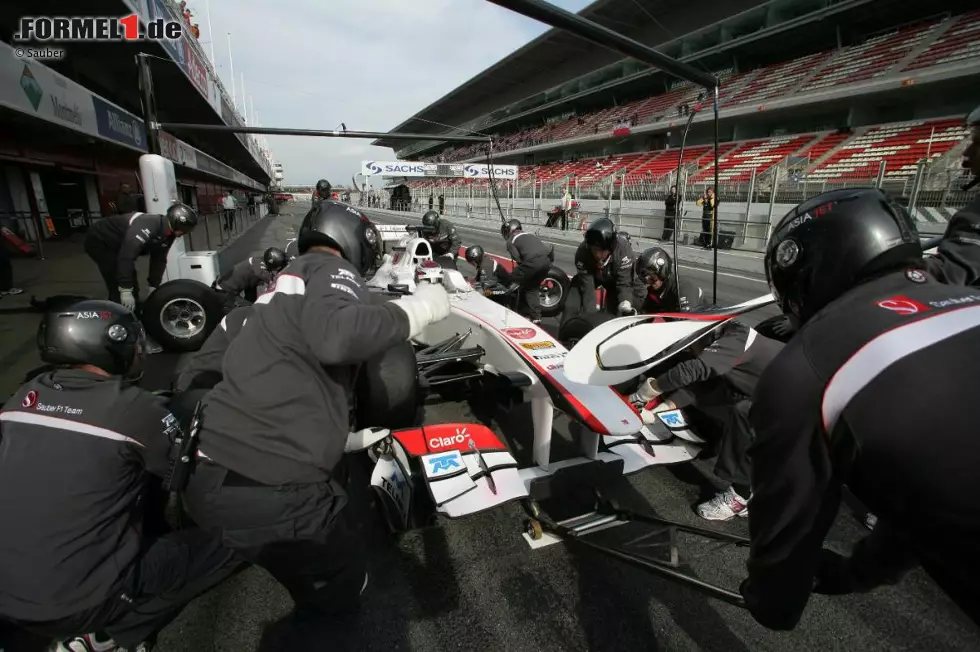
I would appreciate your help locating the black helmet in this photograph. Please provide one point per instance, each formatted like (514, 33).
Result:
(430, 222)
(602, 234)
(510, 227)
(98, 333)
(274, 259)
(830, 243)
(474, 255)
(323, 189)
(654, 262)
(182, 217)
(344, 228)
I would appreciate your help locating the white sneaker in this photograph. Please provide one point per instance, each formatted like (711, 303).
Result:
(86, 643)
(725, 506)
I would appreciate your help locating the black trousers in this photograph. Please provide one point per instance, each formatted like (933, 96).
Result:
(298, 533)
(229, 219)
(106, 259)
(529, 301)
(173, 570)
(6, 269)
(705, 237)
(721, 417)
(668, 234)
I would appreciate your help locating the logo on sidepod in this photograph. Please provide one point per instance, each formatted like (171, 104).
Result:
(442, 442)
(520, 333)
(373, 168)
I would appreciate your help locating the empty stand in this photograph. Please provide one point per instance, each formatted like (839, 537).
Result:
(900, 146)
(758, 155)
(776, 80)
(819, 149)
(960, 42)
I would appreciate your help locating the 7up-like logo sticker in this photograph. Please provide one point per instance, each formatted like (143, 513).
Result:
(31, 87)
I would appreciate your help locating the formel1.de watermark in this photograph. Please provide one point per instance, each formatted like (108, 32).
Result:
(68, 29)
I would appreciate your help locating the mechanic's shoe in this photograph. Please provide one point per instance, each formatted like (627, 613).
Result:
(141, 647)
(725, 506)
(152, 347)
(86, 643)
(12, 291)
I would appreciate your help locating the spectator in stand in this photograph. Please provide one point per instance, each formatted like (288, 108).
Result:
(670, 212)
(6, 273)
(229, 204)
(707, 204)
(126, 201)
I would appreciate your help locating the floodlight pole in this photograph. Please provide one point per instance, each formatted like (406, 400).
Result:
(714, 230)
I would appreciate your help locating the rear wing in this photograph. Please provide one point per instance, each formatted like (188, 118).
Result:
(395, 232)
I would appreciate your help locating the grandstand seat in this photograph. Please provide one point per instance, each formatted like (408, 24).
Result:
(759, 155)
(773, 81)
(960, 42)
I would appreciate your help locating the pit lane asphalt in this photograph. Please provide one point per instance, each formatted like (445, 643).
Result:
(473, 584)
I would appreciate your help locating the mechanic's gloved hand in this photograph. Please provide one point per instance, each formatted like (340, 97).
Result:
(626, 308)
(647, 391)
(127, 299)
(780, 327)
(428, 305)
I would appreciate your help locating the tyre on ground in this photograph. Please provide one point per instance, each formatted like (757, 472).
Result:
(180, 315)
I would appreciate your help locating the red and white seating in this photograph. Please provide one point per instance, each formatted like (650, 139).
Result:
(960, 42)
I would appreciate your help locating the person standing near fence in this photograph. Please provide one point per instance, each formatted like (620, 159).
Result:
(707, 204)
(670, 213)
(442, 204)
(228, 204)
(566, 207)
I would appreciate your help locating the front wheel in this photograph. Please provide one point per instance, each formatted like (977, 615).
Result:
(554, 292)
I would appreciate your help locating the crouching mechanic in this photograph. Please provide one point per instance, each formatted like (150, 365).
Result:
(532, 260)
(664, 291)
(604, 260)
(246, 276)
(115, 242)
(486, 266)
(715, 390)
(274, 429)
(837, 406)
(443, 238)
(76, 446)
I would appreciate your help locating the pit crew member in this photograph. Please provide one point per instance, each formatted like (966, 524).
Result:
(204, 368)
(837, 406)
(604, 260)
(664, 291)
(443, 238)
(115, 242)
(715, 390)
(274, 429)
(532, 260)
(321, 192)
(486, 266)
(958, 258)
(74, 555)
(252, 272)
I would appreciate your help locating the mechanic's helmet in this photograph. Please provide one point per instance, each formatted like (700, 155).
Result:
(474, 255)
(345, 229)
(830, 243)
(93, 332)
(430, 222)
(182, 217)
(275, 259)
(510, 227)
(601, 234)
(653, 264)
(971, 155)
(323, 188)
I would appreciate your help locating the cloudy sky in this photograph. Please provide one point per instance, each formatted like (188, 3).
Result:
(312, 64)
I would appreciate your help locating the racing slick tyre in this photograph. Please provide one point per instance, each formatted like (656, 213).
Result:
(388, 392)
(575, 328)
(554, 292)
(181, 314)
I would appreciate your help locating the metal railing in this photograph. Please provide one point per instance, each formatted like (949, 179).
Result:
(215, 230)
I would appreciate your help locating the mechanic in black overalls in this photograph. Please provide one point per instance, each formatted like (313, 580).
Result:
(78, 445)
(883, 360)
(442, 236)
(115, 242)
(604, 260)
(486, 266)
(715, 389)
(664, 291)
(958, 258)
(275, 428)
(203, 369)
(249, 274)
(532, 261)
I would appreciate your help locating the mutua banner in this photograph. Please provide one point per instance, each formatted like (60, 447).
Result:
(418, 169)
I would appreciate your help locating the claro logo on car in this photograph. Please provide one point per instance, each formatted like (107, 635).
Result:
(437, 443)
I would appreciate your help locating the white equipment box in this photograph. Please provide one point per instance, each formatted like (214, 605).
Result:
(199, 266)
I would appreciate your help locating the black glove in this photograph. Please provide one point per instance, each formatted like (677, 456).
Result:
(780, 328)
(834, 574)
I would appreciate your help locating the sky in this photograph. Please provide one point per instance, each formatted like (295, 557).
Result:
(314, 64)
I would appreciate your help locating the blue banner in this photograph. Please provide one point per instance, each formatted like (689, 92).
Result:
(159, 11)
(115, 124)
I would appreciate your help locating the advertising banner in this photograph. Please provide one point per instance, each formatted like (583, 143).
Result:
(159, 11)
(416, 169)
(196, 69)
(118, 125)
(37, 90)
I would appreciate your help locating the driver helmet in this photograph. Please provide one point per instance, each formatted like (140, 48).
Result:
(430, 222)
(181, 218)
(601, 235)
(474, 255)
(323, 189)
(510, 227)
(275, 259)
(103, 334)
(344, 228)
(834, 241)
(654, 264)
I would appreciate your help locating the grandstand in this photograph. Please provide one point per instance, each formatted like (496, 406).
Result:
(858, 102)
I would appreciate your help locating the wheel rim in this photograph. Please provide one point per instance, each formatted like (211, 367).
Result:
(183, 318)
(551, 293)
